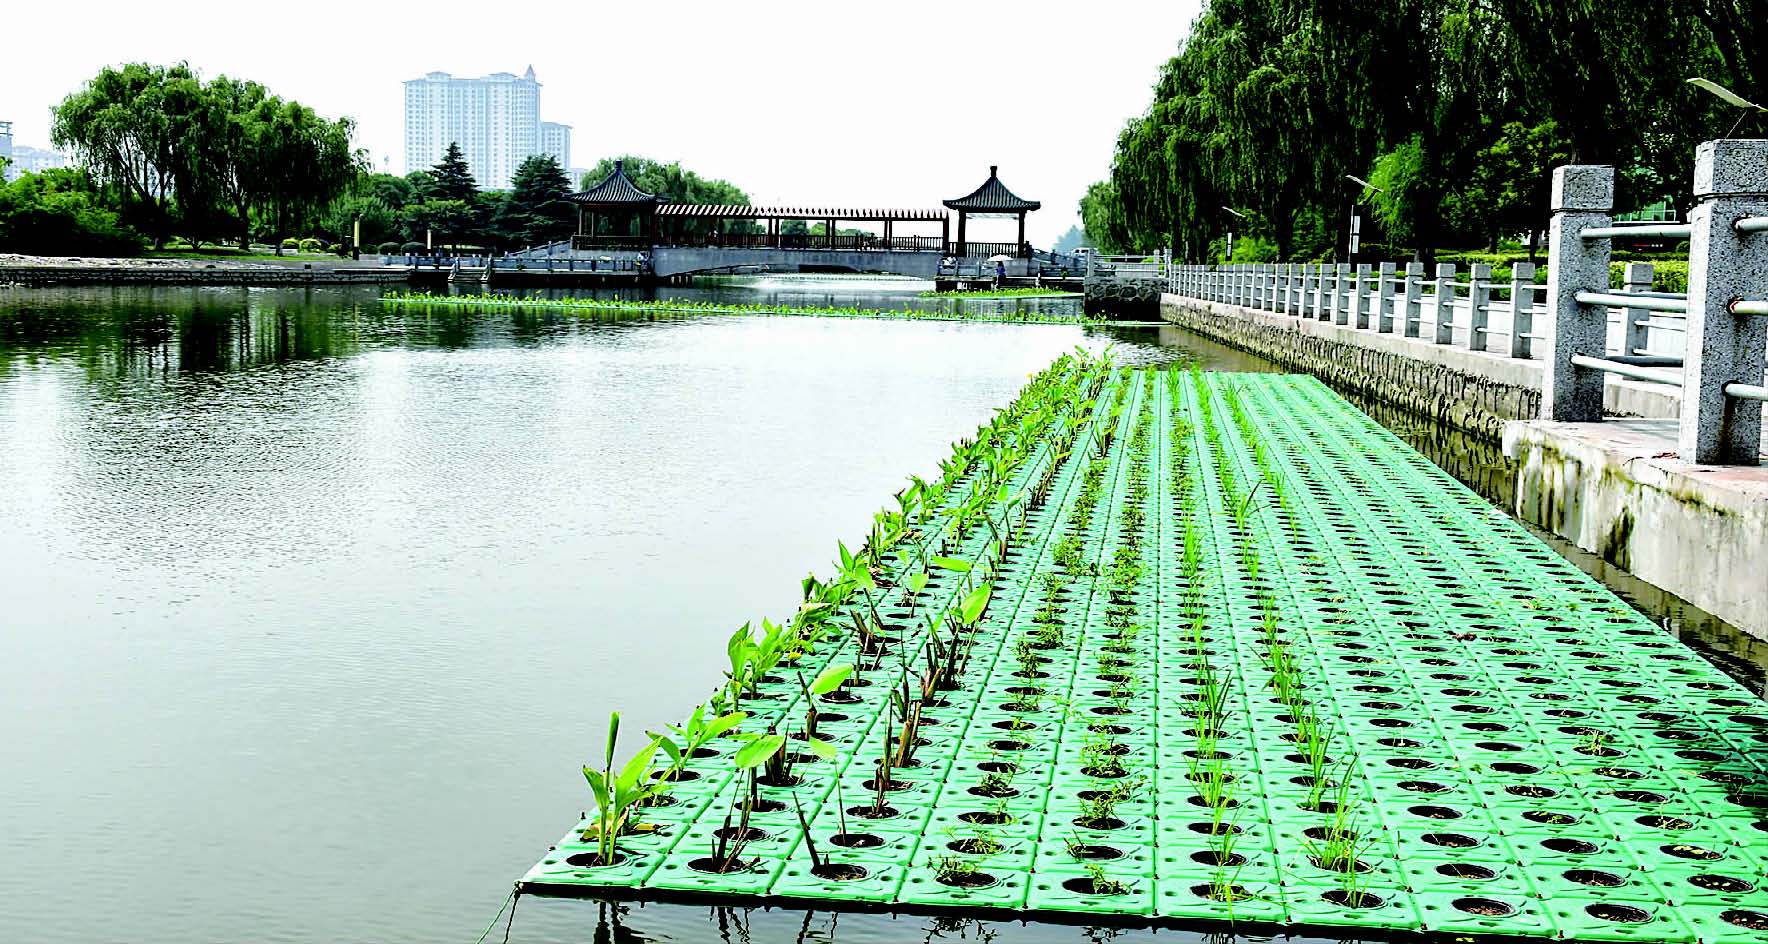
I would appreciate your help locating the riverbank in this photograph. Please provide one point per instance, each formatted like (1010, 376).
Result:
(677, 306)
(16, 269)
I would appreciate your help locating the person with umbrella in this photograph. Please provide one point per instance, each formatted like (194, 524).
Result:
(1000, 271)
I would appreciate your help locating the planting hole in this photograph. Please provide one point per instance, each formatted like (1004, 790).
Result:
(1613, 911)
(1434, 812)
(1531, 790)
(839, 872)
(1465, 870)
(1485, 907)
(967, 880)
(1354, 899)
(1086, 885)
(1754, 920)
(1223, 892)
(593, 860)
(1595, 878)
(1721, 883)
(1640, 796)
(1094, 851)
(713, 866)
(1568, 845)
(984, 817)
(857, 840)
(1664, 822)
(1685, 851)
(1550, 818)
(1214, 858)
(1411, 763)
(1450, 840)
(870, 812)
(1424, 786)
(1508, 767)
(1215, 829)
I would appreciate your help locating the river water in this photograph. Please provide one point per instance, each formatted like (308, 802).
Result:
(313, 606)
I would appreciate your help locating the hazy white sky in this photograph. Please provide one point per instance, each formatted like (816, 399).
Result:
(898, 103)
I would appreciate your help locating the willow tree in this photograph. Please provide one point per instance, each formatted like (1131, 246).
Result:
(132, 128)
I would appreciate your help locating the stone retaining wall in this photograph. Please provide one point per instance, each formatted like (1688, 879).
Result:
(1469, 390)
(177, 275)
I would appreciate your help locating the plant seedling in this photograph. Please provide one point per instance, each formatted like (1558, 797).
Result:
(619, 795)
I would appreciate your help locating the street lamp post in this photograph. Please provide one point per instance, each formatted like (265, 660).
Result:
(1354, 234)
(1238, 215)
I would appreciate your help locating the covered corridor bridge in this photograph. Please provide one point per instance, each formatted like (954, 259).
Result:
(689, 237)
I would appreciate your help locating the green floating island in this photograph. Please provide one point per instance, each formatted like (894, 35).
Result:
(1191, 648)
(679, 306)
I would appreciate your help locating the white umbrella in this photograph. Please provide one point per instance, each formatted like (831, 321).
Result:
(1000, 258)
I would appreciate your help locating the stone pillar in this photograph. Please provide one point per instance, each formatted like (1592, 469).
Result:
(1309, 276)
(1637, 278)
(1341, 294)
(1730, 182)
(1583, 195)
(1360, 297)
(1522, 306)
(1384, 299)
(1414, 310)
(1292, 303)
(1479, 305)
(1443, 309)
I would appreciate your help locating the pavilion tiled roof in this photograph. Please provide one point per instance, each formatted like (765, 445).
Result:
(992, 197)
(615, 188)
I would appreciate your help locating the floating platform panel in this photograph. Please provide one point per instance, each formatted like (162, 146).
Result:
(1247, 658)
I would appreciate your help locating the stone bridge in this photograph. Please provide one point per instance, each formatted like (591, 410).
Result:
(684, 260)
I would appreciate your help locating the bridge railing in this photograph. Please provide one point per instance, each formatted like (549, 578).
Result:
(1710, 342)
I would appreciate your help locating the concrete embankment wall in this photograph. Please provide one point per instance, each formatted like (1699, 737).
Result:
(1474, 391)
(1615, 489)
(1699, 532)
(219, 275)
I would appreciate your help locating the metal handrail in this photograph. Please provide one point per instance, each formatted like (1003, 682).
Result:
(1747, 391)
(1630, 300)
(1741, 307)
(1626, 370)
(1752, 224)
(1664, 230)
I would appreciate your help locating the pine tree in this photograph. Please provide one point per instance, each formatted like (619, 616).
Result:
(454, 180)
(536, 211)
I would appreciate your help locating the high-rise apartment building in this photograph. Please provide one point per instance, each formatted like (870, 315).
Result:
(555, 139)
(6, 147)
(495, 120)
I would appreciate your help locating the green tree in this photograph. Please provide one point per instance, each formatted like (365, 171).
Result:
(536, 210)
(133, 127)
(62, 212)
(451, 178)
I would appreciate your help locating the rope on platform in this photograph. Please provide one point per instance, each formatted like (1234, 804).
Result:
(506, 906)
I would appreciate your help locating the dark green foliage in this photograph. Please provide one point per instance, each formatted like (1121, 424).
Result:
(205, 159)
(536, 211)
(62, 212)
(1458, 109)
(451, 179)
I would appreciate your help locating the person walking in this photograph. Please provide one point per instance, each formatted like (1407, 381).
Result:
(1000, 274)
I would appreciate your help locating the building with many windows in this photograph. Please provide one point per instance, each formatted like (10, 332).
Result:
(6, 148)
(495, 119)
(555, 139)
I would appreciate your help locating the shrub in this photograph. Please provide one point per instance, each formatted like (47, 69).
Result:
(311, 245)
(389, 248)
(412, 248)
(291, 243)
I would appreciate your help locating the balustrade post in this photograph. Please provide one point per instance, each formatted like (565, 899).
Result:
(1637, 278)
(1522, 307)
(1279, 291)
(1291, 289)
(1258, 285)
(1479, 305)
(1341, 288)
(1308, 274)
(1384, 299)
(1583, 195)
(1414, 311)
(1730, 183)
(1444, 310)
(1360, 297)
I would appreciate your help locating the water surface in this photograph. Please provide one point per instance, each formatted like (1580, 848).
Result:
(312, 606)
